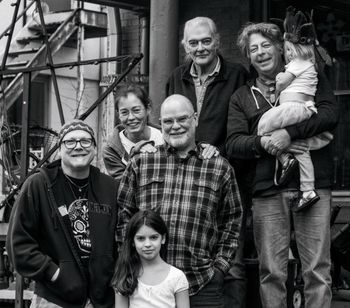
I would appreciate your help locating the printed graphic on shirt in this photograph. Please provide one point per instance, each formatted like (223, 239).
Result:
(79, 216)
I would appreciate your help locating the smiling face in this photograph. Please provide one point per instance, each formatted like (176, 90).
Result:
(265, 57)
(148, 243)
(200, 45)
(76, 162)
(132, 114)
(179, 123)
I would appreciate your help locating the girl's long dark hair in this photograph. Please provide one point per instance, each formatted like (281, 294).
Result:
(128, 265)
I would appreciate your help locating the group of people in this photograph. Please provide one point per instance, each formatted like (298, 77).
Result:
(166, 227)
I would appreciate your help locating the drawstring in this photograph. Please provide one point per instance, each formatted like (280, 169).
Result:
(256, 101)
(53, 215)
(275, 175)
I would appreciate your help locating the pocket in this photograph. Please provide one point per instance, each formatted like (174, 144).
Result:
(69, 284)
(155, 180)
(207, 192)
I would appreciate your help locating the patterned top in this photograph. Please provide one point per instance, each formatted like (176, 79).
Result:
(198, 200)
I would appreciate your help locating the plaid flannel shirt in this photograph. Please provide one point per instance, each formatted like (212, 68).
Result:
(199, 202)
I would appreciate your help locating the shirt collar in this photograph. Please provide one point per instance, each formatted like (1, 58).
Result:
(194, 152)
(216, 70)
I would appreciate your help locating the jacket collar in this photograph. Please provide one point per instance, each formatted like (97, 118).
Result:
(221, 76)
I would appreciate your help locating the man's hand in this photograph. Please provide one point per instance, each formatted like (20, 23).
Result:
(143, 146)
(298, 147)
(280, 139)
(208, 151)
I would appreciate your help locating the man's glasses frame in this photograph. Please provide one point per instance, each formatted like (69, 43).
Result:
(72, 143)
(182, 120)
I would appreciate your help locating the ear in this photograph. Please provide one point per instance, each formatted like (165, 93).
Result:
(195, 117)
(163, 239)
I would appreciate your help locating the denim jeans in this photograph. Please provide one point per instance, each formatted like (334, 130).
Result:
(211, 295)
(272, 228)
(40, 302)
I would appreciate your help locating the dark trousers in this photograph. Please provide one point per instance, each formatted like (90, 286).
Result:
(212, 294)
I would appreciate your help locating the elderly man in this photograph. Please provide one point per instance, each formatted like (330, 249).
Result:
(198, 199)
(207, 80)
(58, 222)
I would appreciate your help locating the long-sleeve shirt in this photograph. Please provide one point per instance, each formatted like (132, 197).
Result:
(199, 202)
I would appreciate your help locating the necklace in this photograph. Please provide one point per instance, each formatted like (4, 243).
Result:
(81, 189)
(269, 87)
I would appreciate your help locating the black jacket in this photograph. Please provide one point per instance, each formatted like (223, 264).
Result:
(39, 241)
(250, 159)
(213, 117)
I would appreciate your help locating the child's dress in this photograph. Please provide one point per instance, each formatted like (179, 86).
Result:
(161, 295)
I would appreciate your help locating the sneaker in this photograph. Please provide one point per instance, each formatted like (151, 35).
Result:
(287, 171)
(305, 201)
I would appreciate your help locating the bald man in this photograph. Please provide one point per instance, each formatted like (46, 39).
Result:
(197, 198)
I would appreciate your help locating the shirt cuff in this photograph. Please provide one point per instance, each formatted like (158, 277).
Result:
(222, 265)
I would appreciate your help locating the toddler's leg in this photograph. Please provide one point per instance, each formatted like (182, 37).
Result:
(308, 195)
(289, 166)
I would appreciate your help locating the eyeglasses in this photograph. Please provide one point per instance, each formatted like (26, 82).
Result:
(72, 143)
(135, 111)
(205, 42)
(183, 120)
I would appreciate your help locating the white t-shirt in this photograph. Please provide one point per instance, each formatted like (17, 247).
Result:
(161, 295)
(156, 136)
(305, 80)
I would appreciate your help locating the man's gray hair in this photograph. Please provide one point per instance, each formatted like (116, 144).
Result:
(201, 21)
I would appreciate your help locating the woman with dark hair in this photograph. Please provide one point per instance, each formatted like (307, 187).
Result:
(262, 44)
(133, 106)
(142, 278)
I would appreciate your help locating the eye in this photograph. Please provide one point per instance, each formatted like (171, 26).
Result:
(140, 238)
(207, 41)
(124, 113)
(193, 43)
(183, 119)
(154, 237)
(168, 122)
(266, 45)
(136, 110)
(70, 142)
(252, 50)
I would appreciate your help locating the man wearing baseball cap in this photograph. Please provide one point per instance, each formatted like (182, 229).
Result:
(61, 231)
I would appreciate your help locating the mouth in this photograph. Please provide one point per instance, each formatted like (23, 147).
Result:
(264, 61)
(147, 252)
(133, 125)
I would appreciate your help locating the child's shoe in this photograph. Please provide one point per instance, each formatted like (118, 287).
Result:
(287, 171)
(305, 201)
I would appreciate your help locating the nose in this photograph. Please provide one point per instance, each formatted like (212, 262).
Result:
(176, 125)
(147, 243)
(78, 145)
(261, 50)
(131, 115)
(200, 46)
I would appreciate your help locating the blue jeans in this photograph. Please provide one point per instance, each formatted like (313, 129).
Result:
(272, 228)
(211, 295)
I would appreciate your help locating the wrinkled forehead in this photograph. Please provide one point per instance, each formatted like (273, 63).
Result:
(198, 30)
(177, 106)
(77, 134)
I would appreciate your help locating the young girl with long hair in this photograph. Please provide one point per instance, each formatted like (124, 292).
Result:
(142, 278)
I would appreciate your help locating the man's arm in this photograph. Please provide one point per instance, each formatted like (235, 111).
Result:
(240, 144)
(327, 115)
(229, 216)
(21, 243)
(126, 200)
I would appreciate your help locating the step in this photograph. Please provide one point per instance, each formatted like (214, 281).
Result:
(16, 64)
(15, 53)
(29, 38)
